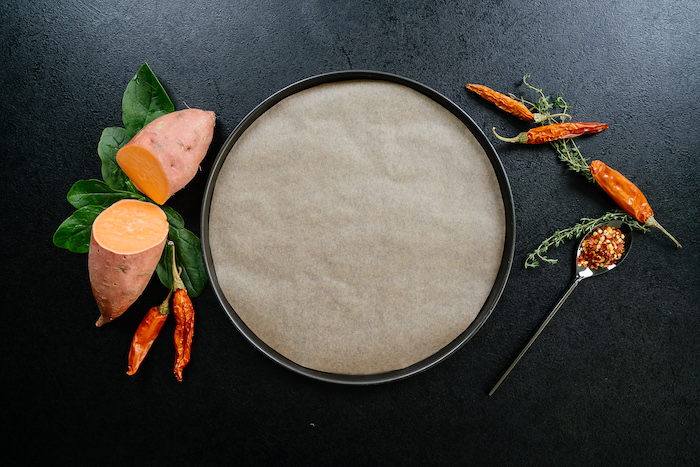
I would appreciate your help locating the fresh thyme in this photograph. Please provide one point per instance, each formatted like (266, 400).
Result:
(567, 149)
(583, 227)
(568, 152)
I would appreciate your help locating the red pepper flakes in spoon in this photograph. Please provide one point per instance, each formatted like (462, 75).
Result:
(604, 247)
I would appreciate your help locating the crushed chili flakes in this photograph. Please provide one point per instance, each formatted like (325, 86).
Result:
(602, 248)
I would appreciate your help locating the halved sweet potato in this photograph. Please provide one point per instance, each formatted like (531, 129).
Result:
(164, 156)
(126, 244)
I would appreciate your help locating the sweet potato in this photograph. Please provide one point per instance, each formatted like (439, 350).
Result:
(164, 156)
(126, 244)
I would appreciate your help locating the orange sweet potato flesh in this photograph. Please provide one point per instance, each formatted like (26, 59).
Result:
(165, 155)
(126, 244)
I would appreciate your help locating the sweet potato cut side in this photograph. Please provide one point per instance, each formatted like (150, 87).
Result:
(126, 244)
(165, 155)
(146, 172)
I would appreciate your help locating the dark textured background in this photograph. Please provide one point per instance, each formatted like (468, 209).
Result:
(614, 380)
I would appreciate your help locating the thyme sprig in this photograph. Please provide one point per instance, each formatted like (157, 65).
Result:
(567, 149)
(568, 152)
(583, 227)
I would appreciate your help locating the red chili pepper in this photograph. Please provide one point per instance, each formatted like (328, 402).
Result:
(184, 318)
(553, 132)
(626, 195)
(146, 334)
(509, 104)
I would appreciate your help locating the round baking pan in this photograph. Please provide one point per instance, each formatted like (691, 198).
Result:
(502, 269)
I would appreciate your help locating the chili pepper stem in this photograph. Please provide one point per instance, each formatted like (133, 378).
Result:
(164, 308)
(177, 280)
(651, 222)
(520, 138)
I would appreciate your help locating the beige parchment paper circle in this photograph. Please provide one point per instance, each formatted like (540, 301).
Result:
(357, 227)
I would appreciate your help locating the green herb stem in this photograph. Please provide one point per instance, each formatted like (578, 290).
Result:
(583, 227)
(567, 149)
(568, 152)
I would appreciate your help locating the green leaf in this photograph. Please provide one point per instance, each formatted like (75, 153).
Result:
(174, 218)
(144, 100)
(74, 233)
(188, 255)
(96, 193)
(112, 139)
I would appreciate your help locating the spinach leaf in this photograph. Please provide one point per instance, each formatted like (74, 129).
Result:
(112, 139)
(188, 255)
(174, 217)
(144, 100)
(97, 193)
(74, 233)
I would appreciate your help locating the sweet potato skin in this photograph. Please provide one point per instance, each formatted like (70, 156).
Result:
(179, 140)
(118, 278)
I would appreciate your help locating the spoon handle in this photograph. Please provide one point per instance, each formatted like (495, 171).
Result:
(539, 330)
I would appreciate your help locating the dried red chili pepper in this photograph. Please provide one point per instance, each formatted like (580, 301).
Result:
(626, 195)
(184, 318)
(510, 105)
(553, 132)
(146, 334)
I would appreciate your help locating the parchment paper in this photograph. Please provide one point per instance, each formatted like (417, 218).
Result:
(357, 227)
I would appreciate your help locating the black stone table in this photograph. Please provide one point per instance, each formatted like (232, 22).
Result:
(614, 379)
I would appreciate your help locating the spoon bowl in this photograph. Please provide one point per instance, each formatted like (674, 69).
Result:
(582, 272)
(586, 272)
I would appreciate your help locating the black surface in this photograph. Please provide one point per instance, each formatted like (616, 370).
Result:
(614, 379)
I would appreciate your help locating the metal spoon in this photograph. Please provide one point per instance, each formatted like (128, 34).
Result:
(581, 273)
